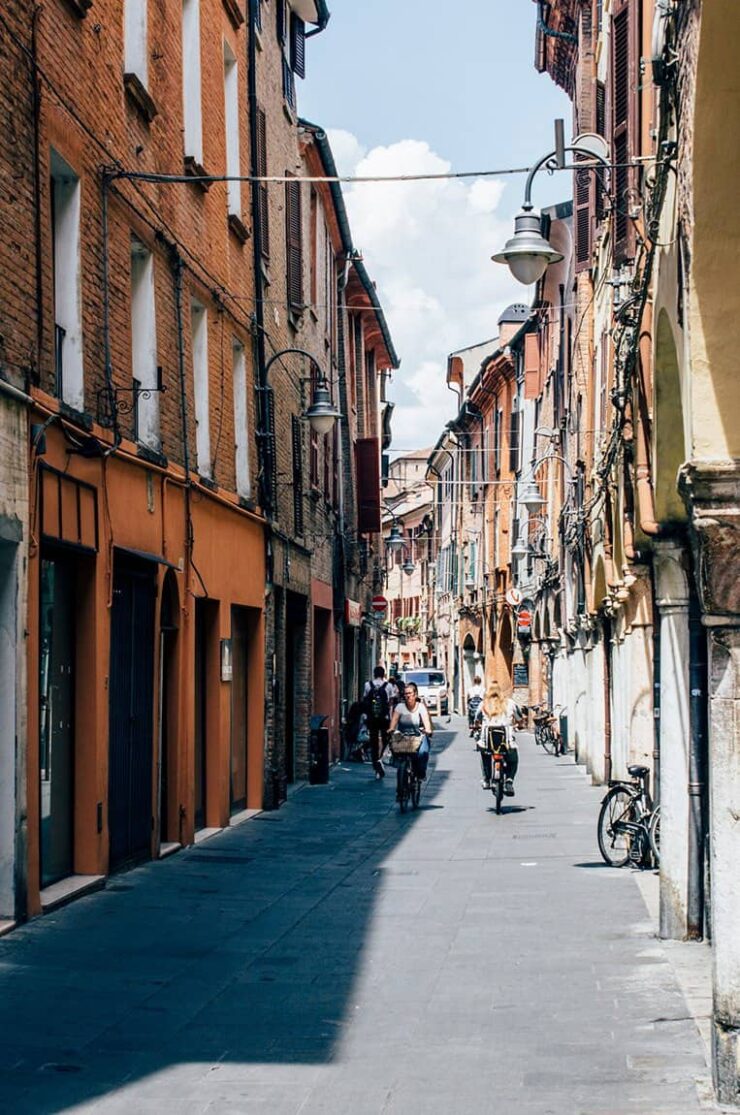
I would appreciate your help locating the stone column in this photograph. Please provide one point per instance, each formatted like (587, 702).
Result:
(672, 602)
(724, 835)
(712, 494)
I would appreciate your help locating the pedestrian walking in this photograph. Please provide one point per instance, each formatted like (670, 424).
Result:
(376, 701)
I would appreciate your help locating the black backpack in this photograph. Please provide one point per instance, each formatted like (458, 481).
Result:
(377, 704)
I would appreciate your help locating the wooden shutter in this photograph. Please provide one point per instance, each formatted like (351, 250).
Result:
(497, 440)
(263, 211)
(294, 245)
(297, 444)
(531, 366)
(297, 45)
(367, 457)
(582, 194)
(514, 442)
(624, 122)
(281, 21)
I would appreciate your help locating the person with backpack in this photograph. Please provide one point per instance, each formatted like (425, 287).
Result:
(376, 701)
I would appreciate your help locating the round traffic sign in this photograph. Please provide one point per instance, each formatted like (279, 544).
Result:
(514, 597)
(379, 604)
(524, 618)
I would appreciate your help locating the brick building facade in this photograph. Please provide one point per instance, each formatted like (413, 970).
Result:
(186, 578)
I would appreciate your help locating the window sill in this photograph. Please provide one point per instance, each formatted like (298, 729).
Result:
(140, 99)
(80, 7)
(234, 12)
(76, 417)
(265, 269)
(238, 228)
(208, 483)
(289, 112)
(153, 456)
(194, 170)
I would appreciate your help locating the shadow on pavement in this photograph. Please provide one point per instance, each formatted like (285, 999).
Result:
(243, 949)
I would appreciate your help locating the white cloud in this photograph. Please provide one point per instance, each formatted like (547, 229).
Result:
(428, 247)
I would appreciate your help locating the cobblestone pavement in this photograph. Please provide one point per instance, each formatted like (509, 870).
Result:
(338, 957)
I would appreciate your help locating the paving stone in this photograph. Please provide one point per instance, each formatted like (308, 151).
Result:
(337, 957)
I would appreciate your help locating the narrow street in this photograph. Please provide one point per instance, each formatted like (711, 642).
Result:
(336, 956)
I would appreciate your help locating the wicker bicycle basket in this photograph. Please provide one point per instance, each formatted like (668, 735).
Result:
(405, 745)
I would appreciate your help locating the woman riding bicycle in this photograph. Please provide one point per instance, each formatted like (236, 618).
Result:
(499, 716)
(411, 718)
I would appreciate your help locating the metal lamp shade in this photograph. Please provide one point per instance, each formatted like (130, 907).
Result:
(520, 549)
(408, 567)
(527, 253)
(532, 499)
(322, 414)
(395, 538)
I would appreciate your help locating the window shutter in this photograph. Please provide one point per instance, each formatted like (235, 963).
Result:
(294, 245)
(367, 457)
(582, 192)
(263, 212)
(531, 366)
(514, 442)
(297, 45)
(623, 125)
(280, 21)
(297, 444)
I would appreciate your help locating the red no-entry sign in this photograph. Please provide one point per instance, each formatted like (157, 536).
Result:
(379, 604)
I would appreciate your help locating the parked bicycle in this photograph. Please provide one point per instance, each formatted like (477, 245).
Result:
(546, 729)
(629, 822)
(408, 783)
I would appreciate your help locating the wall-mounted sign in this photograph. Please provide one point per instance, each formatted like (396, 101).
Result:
(513, 597)
(521, 674)
(379, 604)
(227, 665)
(352, 613)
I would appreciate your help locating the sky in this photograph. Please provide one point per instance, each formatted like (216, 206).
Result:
(412, 87)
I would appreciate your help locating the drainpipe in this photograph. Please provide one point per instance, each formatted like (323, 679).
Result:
(697, 761)
(37, 190)
(607, 700)
(645, 496)
(656, 696)
(265, 446)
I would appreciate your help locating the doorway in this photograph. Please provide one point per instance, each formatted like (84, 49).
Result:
(9, 728)
(168, 712)
(240, 632)
(131, 706)
(207, 688)
(56, 717)
(295, 650)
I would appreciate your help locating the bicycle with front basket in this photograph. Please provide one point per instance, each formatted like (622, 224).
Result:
(545, 733)
(629, 822)
(404, 747)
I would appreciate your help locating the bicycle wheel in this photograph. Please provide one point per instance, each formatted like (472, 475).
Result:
(549, 740)
(415, 792)
(654, 835)
(538, 735)
(404, 788)
(615, 842)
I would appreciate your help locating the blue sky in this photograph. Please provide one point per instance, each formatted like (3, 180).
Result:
(402, 85)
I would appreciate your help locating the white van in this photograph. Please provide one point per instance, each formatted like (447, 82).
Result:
(432, 686)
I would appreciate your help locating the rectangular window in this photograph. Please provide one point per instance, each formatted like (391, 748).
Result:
(497, 415)
(514, 429)
(255, 7)
(231, 104)
(199, 337)
(135, 59)
(144, 345)
(314, 460)
(294, 245)
(191, 81)
(241, 419)
(65, 231)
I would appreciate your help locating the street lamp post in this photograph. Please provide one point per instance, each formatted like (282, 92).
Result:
(527, 254)
(321, 412)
